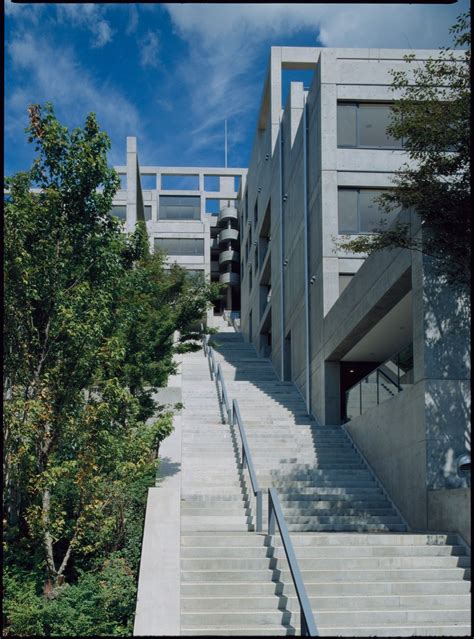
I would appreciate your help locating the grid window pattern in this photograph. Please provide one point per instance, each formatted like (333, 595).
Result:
(180, 245)
(120, 211)
(358, 212)
(365, 126)
(177, 207)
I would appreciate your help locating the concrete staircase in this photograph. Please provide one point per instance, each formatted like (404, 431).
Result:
(365, 574)
(227, 582)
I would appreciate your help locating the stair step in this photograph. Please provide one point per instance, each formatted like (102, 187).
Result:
(382, 574)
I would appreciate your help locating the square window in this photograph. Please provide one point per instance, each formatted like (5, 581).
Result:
(373, 122)
(370, 212)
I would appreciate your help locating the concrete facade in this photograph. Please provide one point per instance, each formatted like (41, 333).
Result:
(209, 194)
(320, 313)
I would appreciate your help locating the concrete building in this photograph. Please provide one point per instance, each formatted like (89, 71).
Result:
(373, 341)
(190, 214)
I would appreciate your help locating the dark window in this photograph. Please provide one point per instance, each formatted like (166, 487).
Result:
(255, 213)
(120, 211)
(358, 212)
(180, 245)
(250, 279)
(179, 207)
(365, 126)
(347, 125)
(147, 210)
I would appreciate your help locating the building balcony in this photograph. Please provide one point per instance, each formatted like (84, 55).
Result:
(229, 256)
(228, 213)
(228, 235)
(229, 278)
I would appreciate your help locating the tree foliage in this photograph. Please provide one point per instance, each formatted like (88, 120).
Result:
(433, 118)
(90, 317)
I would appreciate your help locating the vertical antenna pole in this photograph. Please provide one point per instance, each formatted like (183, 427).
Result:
(225, 142)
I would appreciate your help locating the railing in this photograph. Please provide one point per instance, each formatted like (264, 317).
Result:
(233, 417)
(247, 463)
(383, 383)
(275, 515)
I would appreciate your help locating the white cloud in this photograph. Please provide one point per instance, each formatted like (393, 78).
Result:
(149, 47)
(225, 40)
(348, 25)
(56, 76)
(132, 20)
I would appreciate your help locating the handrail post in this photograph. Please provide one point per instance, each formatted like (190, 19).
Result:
(259, 518)
(271, 515)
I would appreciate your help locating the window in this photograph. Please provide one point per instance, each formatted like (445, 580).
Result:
(365, 126)
(147, 211)
(120, 211)
(358, 212)
(148, 181)
(179, 207)
(180, 182)
(180, 245)
(255, 213)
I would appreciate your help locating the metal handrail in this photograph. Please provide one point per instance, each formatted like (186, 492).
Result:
(275, 514)
(220, 380)
(247, 462)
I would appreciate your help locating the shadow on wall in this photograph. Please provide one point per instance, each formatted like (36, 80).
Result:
(447, 373)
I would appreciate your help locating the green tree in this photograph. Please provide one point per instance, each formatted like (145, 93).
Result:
(433, 119)
(89, 322)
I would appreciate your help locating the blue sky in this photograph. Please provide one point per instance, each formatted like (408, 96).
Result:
(170, 74)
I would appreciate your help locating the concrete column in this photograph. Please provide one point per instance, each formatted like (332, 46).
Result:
(132, 178)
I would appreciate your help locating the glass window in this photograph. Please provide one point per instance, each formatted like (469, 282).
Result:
(365, 126)
(148, 181)
(180, 182)
(180, 245)
(179, 207)
(346, 124)
(147, 210)
(347, 211)
(373, 120)
(370, 212)
(358, 211)
(120, 211)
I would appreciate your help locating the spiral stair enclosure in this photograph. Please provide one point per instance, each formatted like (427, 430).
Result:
(229, 243)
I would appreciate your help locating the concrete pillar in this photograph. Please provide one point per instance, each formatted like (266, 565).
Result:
(132, 178)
